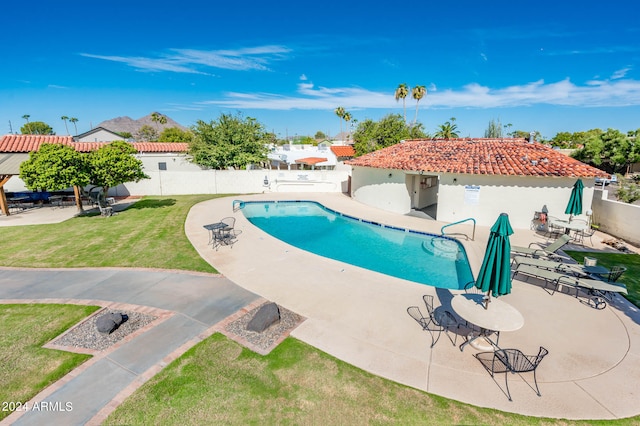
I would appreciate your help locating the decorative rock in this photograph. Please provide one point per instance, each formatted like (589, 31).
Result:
(109, 322)
(266, 316)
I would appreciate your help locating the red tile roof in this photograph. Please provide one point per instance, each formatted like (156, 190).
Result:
(343, 151)
(515, 157)
(28, 143)
(311, 160)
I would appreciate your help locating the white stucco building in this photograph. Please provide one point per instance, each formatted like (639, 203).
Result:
(471, 178)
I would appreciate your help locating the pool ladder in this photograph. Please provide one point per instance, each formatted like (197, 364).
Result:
(473, 235)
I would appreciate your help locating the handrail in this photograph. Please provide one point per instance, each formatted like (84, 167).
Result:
(461, 221)
(237, 205)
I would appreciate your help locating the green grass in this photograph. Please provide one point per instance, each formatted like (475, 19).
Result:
(25, 366)
(150, 234)
(631, 277)
(219, 382)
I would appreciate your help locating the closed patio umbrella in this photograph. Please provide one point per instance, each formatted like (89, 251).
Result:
(494, 277)
(575, 201)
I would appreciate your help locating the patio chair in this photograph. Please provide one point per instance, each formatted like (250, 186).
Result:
(512, 361)
(580, 235)
(226, 234)
(561, 267)
(441, 318)
(549, 251)
(598, 290)
(615, 273)
(553, 230)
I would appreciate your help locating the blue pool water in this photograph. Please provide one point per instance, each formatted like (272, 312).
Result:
(411, 255)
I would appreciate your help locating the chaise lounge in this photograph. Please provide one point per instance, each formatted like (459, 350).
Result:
(549, 251)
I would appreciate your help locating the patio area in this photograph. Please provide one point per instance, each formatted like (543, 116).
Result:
(360, 317)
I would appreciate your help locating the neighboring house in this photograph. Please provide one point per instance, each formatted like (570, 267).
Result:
(296, 157)
(471, 178)
(155, 156)
(98, 134)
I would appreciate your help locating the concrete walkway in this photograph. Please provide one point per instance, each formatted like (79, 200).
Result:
(189, 308)
(354, 314)
(360, 316)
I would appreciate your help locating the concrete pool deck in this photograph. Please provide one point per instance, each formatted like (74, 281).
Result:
(360, 316)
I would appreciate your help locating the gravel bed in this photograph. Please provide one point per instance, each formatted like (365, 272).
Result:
(87, 336)
(265, 340)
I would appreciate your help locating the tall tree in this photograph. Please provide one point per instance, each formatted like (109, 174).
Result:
(36, 128)
(65, 118)
(113, 164)
(391, 129)
(56, 167)
(347, 119)
(417, 93)
(147, 133)
(74, 121)
(340, 112)
(175, 134)
(402, 91)
(448, 130)
(229, 141)
(26, 117)
(158, 118)
(494, 129)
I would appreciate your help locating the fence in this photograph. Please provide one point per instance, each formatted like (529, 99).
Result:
(616, 218)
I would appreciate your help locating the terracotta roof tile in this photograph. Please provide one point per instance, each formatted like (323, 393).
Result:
(311, 160)
(28, 143)
(343, 151)
(515, 157)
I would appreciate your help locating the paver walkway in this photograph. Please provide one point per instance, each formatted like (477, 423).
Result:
(190, 306)
(356, 315)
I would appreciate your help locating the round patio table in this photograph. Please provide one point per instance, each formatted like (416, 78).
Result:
(500, 316)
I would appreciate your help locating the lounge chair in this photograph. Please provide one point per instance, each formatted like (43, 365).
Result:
(512, 361)
(597, 290)
(562, 267)
(543, 251)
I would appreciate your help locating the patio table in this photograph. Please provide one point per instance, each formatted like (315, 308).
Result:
(500, 316)
(568, 226)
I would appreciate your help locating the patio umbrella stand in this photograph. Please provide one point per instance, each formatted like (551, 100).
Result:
(494, 277)
(574, 208)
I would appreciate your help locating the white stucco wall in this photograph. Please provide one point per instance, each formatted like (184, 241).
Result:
(617, 218)
(382, 188)
(518, 196)
(174, 162)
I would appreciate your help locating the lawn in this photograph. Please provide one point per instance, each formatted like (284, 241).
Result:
(220, 382)
(631, 278)
(26, 366)
(217, 381)
(150, 234)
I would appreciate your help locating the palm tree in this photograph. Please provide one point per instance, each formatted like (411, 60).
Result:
(347, 119)
(401, 93)
(26, 117)
(65, 118)
(417, 93)
(340, 112)
(74, 121)
(448, 130)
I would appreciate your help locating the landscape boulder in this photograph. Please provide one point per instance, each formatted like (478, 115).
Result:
(107, 323)
(266, 316)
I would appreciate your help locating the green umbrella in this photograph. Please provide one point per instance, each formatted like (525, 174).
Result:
(495, 273)
(575, 201)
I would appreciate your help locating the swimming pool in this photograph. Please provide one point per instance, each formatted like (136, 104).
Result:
(415, 256)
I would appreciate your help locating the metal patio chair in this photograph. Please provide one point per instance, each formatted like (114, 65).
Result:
(442, 319)
(512, 361)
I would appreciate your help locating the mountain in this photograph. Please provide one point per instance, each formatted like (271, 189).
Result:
(127, 124)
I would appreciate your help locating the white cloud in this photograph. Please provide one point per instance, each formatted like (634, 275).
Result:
(192, 61)
(303, 77)
(56, 86)
(308, 97)
(620, 73)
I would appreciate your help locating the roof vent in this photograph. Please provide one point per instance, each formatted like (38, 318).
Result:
(534, 162)
(532, 137)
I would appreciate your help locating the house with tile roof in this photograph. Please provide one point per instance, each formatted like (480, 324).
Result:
(299, 156)
(155, 156)
(98, 134)
(464, 178)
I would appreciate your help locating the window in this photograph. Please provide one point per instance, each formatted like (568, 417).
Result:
(162, 166)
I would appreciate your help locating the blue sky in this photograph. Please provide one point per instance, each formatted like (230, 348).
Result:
(543, 66)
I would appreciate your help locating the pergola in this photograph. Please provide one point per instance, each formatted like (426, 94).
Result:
(9, 166)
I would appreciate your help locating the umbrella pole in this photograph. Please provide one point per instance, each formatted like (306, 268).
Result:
(487, 300)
